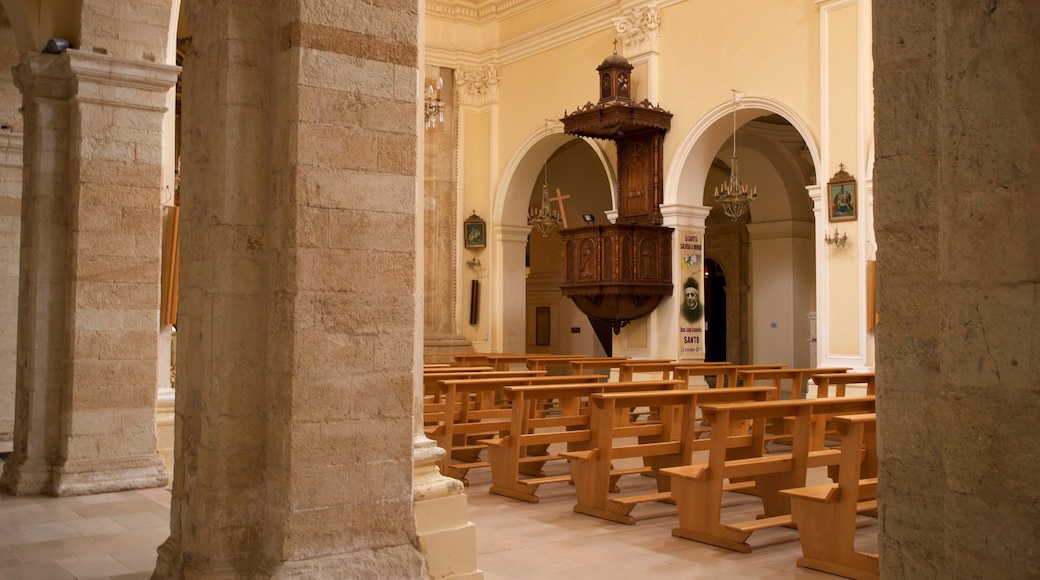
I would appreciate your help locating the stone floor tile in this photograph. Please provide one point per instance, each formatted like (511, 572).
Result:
(8, 558)
(138, 560)
(36, 571)
(84, 568)
(140, 521)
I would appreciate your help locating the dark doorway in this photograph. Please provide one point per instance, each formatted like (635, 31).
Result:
(714, 312)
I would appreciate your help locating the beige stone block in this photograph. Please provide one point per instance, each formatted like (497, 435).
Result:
(346, 73)
(450, 547)
(337, 147)
(83, 447)
(236, 466)
(375, 231)
(348, 528)
(111, 150)
(95, 422)
(333, 107)
(117, 269)
(397, 153)
(119, 173)
(348, 189)
(102, 243)
(393, 116)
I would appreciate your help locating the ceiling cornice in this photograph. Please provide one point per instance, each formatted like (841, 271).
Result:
(552, 36)
(479, 11)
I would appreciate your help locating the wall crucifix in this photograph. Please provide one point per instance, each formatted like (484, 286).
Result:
(559, 199)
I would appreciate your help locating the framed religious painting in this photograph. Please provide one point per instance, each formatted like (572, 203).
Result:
(841, 196)
(473, 232)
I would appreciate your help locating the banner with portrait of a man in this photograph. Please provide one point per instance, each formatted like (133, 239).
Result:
(691, 299)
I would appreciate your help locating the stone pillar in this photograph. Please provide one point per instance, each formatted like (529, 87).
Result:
(11, 138)
(958, 280)
(296, 333)
(88, 306)
(10, 233)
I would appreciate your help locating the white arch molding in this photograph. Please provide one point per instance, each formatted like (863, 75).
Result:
(688, 171)
(693, 157)
(509, 224)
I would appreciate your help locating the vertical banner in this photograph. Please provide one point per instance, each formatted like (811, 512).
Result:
(691, 303)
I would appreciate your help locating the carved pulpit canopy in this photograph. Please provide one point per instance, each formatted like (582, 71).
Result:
(620, 272)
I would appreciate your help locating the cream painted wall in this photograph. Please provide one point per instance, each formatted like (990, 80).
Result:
(699, 63)
(546, 53)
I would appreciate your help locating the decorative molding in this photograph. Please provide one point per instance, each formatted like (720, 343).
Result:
(639, 30)
(480, 11)
(477, 86)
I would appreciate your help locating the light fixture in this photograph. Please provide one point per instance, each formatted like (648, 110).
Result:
(473, 263)
(434, 104)
(544, 218)
(589, 218)
(733, 195)
(836, 240)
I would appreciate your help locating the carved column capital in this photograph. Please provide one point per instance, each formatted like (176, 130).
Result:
(477, 86)
(639, 30)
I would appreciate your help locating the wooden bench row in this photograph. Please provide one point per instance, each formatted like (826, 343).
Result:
(826, 514)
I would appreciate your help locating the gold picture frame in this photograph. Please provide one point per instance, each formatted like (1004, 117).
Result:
(841, 196)
(474, 233)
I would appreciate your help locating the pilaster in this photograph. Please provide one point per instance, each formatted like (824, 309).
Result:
(680, 329)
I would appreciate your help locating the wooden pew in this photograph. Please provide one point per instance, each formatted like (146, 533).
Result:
(670, 441)
(697, 488)
(797, 377)
(610, 363)
(432, 377)
(504, 361)
(463, 359)
(826, 514)
(628, 369)
(522, 448)
(730, 378)
(537, 362)
(824, 381)
(719, 371)
(474, 415)
(590, 364)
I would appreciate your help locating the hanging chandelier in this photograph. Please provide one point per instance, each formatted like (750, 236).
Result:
(434, 105)
(544, 218)
(733, 195)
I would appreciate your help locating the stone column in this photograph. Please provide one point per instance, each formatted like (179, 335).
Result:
(88, 306)
(958, 340)
(11, 138)
(297, 324)
(10, 233)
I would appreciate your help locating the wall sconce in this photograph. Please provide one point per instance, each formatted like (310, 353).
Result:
(836, 240)
(589, 218)
(473, 263)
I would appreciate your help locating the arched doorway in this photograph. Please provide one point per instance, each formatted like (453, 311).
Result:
(771, 246)
(580, 189)
(714, 312)
(768, 254)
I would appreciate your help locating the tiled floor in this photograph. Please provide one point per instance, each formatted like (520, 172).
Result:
(112, 535)
(115, 536)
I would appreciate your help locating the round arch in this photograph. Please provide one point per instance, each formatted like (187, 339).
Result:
(509, 230)
(693, 157)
